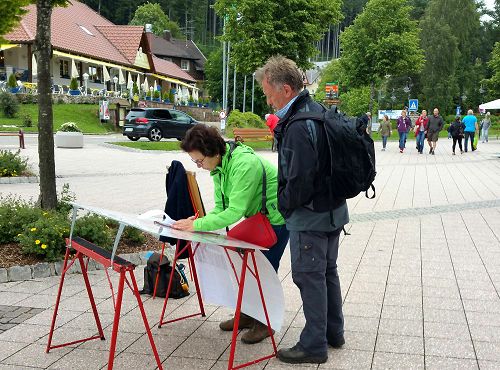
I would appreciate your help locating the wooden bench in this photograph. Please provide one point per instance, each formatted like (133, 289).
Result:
(20, 134)
(253, 134)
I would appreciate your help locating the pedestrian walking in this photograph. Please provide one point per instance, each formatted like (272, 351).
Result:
(385, 130)
(421, 129)
(314, 233)
(485, 126)
(404, 126)
(434, 126)
(470, 122)
(456, 131)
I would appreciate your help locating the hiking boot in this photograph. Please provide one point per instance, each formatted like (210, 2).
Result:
(246, 322)
(256, 334)
(297, 355)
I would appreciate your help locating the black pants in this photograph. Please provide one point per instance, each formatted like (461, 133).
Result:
(459, 139)
(314, 271)
(469, 135)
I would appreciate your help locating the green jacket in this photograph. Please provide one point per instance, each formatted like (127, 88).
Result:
(240, 180)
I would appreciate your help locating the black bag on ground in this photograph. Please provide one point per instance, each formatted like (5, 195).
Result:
(179, 287)
(352, 152)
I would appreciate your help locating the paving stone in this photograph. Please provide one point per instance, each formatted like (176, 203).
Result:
(400, 344)
(383, 360)
(449, 347)
(82, 359)
(19, 273)
(447, 363)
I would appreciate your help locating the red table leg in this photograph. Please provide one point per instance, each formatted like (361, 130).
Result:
(116, 321)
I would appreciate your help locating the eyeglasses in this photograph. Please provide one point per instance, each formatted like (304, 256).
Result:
(199, 162)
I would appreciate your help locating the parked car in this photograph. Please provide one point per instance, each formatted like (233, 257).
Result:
(157, 123)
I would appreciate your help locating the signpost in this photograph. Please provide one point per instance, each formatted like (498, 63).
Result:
(413, 105)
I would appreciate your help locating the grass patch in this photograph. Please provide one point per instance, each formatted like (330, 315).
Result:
(175, 145)
(84, 115)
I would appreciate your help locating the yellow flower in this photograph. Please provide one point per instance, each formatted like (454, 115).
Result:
(44, 246)
(33, 229)
(45, 213)
(19, 234)
(37, 242)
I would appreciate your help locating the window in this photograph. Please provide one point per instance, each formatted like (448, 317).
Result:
(86, 30)
(185, 65)
(181, 117)
(162, 114)
(64, 68)
(95, 74)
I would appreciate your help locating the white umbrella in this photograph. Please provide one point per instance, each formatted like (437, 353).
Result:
(495, 104)
(138, 82)
(105, 74)
(34, 69)
(155, 87)
(146, 85)
(121, 78)
(130, 83)
(74, 71)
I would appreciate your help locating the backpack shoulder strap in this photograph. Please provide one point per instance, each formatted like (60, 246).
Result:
(302, 116)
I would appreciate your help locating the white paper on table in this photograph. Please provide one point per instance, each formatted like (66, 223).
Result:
(219, 286)
(158, 216)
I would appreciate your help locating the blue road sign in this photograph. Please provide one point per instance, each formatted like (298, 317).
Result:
(413, 105)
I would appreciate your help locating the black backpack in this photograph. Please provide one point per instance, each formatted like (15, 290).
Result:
(352, 153)
(179, 287)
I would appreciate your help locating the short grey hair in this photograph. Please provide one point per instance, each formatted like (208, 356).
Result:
(279, 70)
(470, 111)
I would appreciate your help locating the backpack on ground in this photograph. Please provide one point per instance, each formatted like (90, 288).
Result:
(352, 152)
(179, 287)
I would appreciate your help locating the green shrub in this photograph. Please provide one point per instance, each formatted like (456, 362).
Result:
(12, 164)
(64, 199)
(166, 96)
(171, 96)
(12, 81)
(94, 228)
(27, 120)
(135, 89)
(73, 85)
(69, 127)
(133, 235)
(9, 104)
(243, 120)
(45, 236)
(157, 94)
(15, 214)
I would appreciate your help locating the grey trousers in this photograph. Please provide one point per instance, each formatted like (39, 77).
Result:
(314, 271)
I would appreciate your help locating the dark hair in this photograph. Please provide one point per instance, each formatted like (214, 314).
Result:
(205, 139)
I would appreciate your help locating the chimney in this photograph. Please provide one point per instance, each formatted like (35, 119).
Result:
(148, 28)
(167, 35)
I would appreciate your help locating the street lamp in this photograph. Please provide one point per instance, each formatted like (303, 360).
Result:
(393, 98)
(481, 91)
(115, 80)
(85, 79)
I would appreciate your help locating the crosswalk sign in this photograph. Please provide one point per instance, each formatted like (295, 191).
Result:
(413, 106)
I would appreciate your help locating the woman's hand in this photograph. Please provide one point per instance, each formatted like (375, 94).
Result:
(185, 225)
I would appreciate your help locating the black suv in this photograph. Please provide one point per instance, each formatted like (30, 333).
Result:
(157, 123)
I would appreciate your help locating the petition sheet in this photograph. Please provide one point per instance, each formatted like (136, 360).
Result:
(219, 286)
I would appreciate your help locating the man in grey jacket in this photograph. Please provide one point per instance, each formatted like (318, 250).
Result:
(313, 219)
(435, 125)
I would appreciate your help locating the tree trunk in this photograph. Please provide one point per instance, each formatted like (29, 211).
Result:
(372, 97)
(43, 48)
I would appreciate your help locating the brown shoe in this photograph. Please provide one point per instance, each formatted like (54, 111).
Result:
(246, 322)
(256, 334)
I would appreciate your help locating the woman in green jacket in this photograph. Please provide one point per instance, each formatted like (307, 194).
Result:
(237, 175)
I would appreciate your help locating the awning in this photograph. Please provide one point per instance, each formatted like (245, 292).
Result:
(8, 46)
(94, 61)
(173, 80)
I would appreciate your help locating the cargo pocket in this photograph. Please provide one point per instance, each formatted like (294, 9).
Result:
(310, 252)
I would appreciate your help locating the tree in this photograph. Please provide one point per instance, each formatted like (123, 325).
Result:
(377, 45)
(494, 64)
(12, 11)
(154, 15)
(43, 51)
(258, 29)
(355, 102)
(332, 72)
